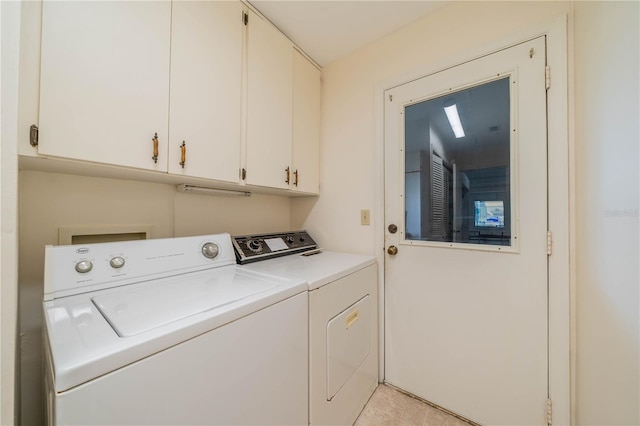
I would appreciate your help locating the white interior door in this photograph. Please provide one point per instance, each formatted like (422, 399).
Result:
(466, 293)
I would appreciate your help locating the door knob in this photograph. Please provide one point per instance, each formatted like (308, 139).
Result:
(392, 250)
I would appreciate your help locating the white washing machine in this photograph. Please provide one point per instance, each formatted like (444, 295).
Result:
(343, 318)
(172, 332)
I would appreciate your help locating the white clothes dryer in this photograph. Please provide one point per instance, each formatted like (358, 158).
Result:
(343, 318)
(172, 332)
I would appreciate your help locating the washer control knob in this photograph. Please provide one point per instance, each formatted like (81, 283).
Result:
(117, 262)
(210, 250)
(84, 266)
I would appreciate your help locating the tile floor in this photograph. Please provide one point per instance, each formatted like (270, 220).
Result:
(389, 407)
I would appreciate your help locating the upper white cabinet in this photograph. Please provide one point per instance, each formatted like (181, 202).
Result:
(269, 105)
(104, 81)
(191, 89)
(206, 83)
(306, 125)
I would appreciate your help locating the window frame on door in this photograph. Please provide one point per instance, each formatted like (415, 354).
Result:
(514, 246)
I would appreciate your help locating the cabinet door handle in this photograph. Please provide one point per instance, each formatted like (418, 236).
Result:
(295, 177)
(183, 154)
(288, 171)
(155, 148)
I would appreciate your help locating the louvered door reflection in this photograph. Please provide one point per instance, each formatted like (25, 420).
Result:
(440, 221)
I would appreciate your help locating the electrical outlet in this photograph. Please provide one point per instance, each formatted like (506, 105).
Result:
(365, 217)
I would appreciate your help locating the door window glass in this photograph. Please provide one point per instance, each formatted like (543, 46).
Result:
(457, 166)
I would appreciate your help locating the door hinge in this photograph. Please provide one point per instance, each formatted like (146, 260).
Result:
(549, 243)
(243, 174)
(33, 135)
(245, 18)
(390, 98)
(547, 77)
(549, 412)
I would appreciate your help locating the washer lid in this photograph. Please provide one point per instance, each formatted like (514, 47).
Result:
(132, 311)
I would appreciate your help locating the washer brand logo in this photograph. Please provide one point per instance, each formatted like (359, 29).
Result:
(83, 250)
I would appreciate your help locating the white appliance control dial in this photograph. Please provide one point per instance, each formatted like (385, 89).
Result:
(117, 262)
(84, 266)
(210, 250)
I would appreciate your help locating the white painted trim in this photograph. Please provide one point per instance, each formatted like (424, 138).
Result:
(379, 222)
(561, 195)
(66, 233)
(572, 219)
(559, 171)
(9, 397)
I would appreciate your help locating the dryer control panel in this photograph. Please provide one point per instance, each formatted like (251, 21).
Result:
(252, 248)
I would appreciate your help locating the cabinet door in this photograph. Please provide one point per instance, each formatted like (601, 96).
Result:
(306, 124)
(269, 104)
(206, 82)
(105, 81)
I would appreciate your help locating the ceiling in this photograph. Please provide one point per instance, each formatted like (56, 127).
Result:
(330, 29)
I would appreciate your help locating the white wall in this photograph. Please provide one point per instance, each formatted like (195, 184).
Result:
(607, 94)
(606, 83)
(10, 24)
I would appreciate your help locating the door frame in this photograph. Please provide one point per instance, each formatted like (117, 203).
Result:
(561, 212)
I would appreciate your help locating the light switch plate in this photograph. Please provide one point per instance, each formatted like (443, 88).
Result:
(365, 217)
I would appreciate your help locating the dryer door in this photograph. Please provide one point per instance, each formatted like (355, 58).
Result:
(348, 344)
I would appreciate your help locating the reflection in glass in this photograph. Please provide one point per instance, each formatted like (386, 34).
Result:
(457, 167)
